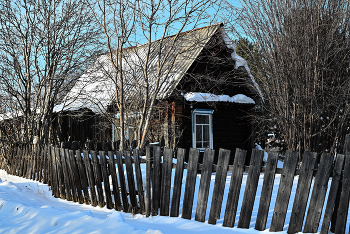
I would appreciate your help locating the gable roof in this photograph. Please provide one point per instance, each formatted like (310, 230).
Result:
(168, 61)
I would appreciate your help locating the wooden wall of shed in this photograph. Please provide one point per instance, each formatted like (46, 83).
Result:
(79, 127)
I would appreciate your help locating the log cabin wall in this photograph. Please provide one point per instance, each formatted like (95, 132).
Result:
(231, 123)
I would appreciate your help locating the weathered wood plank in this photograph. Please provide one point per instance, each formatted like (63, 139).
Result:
(204, 185)
(60, 175)
(91, 177)
(235, 188)
(175, 203)
(109, 202)
(219, 185)
(67, 180)
(112, 170)
(250, 188)
(166, 181)
(75, 175)
(284, 191)
(302, 192)
(53, 169)
(131, 181)
(139, 181)
(344, 195)
(122, 181)
(266, 192)
(156, 180)
(148, 182)
(98, 177)
(190, 186)
(318, 193)
(46, 165)
(332, 193)
(82, 180)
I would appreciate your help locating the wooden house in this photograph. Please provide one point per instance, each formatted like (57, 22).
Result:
(206, 100)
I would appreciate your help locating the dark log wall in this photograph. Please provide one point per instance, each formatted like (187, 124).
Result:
(232, 126)
(79, 128)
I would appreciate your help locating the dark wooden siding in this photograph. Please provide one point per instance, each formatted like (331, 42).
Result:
(232, 125)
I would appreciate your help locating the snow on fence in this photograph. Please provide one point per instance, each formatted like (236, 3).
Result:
(97, 178)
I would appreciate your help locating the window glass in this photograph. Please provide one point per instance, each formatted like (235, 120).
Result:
(198, 133)
(206, 133)
(202, 119)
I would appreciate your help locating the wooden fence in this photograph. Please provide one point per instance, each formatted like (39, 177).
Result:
(97, 178)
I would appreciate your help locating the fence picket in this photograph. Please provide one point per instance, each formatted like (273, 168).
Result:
(148, 182)
(62, 189)
(46, 165)
(53, 174)
(80, 170)
(67, 180)
(122, 181)
(112, 170)
(219, 186)
(73, 168)
(105, 178)
(90, 176)
(235, 188)
(204, 185)
(166, 181)
(302, 192)
(131, 181)
(98, 177)
(139, 181)
(190, 186)
(284, 191)
(175, 203)
(338, 166)
(318, 193)
(156, 180)
(266, 191)
(250, 188)
(344, 196)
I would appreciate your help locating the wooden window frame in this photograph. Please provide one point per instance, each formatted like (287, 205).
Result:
(202, 112)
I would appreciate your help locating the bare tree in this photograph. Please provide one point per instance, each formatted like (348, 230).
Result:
(143, 57)
(44, 46)
(304, 73)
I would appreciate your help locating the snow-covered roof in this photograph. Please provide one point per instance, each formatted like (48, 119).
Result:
(208, 97)
(95, 89)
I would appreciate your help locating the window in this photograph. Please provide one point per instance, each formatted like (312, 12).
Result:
(202, 129)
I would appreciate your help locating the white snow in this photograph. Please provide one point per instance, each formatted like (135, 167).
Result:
(208, 97)
(257, 146)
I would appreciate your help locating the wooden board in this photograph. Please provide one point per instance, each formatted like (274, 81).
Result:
(219, 185)
(77, 180)
(60, 175)
(344, 195)
(284, 191)
(90, 176)
(266, 191)
(67, 180)
(112, 171)
(98, 177)
(318, 193)
(302, 192)
(148, 182)
(105, 178)
(138, 173)
(235, 188)
(204, 185)
(122, 181)
(250, 188)
(332, 193)
(131, 181)
(82, 176)
(156, 180)
(54, 178)
(175, 203)
(166, 181)
(190, 186)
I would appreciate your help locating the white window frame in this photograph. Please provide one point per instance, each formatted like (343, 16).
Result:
(202, 112)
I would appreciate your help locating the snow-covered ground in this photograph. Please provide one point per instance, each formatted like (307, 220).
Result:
(27, 206)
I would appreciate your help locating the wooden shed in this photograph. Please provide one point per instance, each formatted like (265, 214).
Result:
(208, 103)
